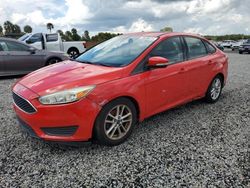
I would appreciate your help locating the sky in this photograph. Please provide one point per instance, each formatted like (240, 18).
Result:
(215, 17)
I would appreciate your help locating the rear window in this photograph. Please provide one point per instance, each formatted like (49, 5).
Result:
(51, 37)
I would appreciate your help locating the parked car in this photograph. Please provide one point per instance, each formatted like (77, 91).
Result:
(244, 48)
(237, 45)
(228, 43)
(17, 58)
(104, 92)
(53, 42)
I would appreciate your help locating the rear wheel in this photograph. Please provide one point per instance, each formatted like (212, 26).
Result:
(240, 52)
(115, 122)
(214, 90)
(73, 52)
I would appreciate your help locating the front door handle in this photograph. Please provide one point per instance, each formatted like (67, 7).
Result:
(182, 70)
(210, 62)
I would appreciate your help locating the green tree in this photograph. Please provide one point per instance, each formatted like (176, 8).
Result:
(75, 36)
(27, 29)
(16, 29)
(8, 27)
(1, 30)
(100, 37)
(86, 36)
(50, 26)
(167, 29)
(61, 34)
(68, 36)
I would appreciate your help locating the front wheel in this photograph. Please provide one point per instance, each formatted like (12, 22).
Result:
(53, 61)
(214, 90)
(115, 122)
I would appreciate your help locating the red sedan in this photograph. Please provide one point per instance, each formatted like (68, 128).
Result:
(103, 93)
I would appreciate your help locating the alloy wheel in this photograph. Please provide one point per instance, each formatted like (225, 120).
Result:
(215, 89)
(118, 122)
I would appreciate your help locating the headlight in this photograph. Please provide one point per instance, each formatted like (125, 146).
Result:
(66, 96)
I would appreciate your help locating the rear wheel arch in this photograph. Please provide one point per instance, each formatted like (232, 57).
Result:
(73, 49)
(221, 76)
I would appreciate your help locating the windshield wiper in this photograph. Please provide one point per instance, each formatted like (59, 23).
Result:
(92, 63)
(87, 62)
(103, 64)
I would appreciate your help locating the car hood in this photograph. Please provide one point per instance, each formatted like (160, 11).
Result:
(67, 75)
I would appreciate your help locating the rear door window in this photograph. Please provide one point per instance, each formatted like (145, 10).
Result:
(210, 48)
(14, 46)
(3, 46)
(195, 47)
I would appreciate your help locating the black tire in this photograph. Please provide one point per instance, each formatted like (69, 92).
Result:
(73, 52)
(53, 61)
(210, 96)
(240, 52)
(100, 132)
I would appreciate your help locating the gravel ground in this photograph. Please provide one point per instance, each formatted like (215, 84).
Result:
(195, 145)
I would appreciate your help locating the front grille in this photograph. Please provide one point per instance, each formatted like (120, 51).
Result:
(60, 131)
(23, 104)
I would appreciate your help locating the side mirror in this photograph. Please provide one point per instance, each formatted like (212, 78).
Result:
(28, 41)
(32, 50)
(158, 62)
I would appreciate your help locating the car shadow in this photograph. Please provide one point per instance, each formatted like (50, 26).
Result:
(11, 77)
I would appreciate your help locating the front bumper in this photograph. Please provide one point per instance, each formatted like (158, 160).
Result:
(244, 49)
(67, 122)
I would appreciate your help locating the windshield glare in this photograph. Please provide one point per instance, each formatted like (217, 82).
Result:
(118, 51)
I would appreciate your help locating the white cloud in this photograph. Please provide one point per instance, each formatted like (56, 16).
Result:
(77, 13)
(73, 12)
(199, 16)
(196, 30)
(140, 25)
(137, 26)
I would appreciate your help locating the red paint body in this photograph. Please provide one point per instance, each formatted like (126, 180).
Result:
(153, 91)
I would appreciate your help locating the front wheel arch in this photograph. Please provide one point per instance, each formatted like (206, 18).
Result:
(131, 99)
(52, 58)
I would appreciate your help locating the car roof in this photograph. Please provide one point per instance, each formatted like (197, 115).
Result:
(8, 39)
(162, 34)
(14, 40)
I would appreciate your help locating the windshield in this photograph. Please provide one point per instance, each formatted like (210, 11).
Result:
(22, 38)
(117, 52)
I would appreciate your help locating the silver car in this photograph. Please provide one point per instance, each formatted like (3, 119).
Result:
(18, 58)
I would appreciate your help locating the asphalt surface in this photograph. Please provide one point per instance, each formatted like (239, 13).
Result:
(195, 145)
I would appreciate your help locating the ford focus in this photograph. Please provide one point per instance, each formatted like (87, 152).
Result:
(102, 94)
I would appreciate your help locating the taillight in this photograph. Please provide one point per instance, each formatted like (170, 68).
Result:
(84, 44)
